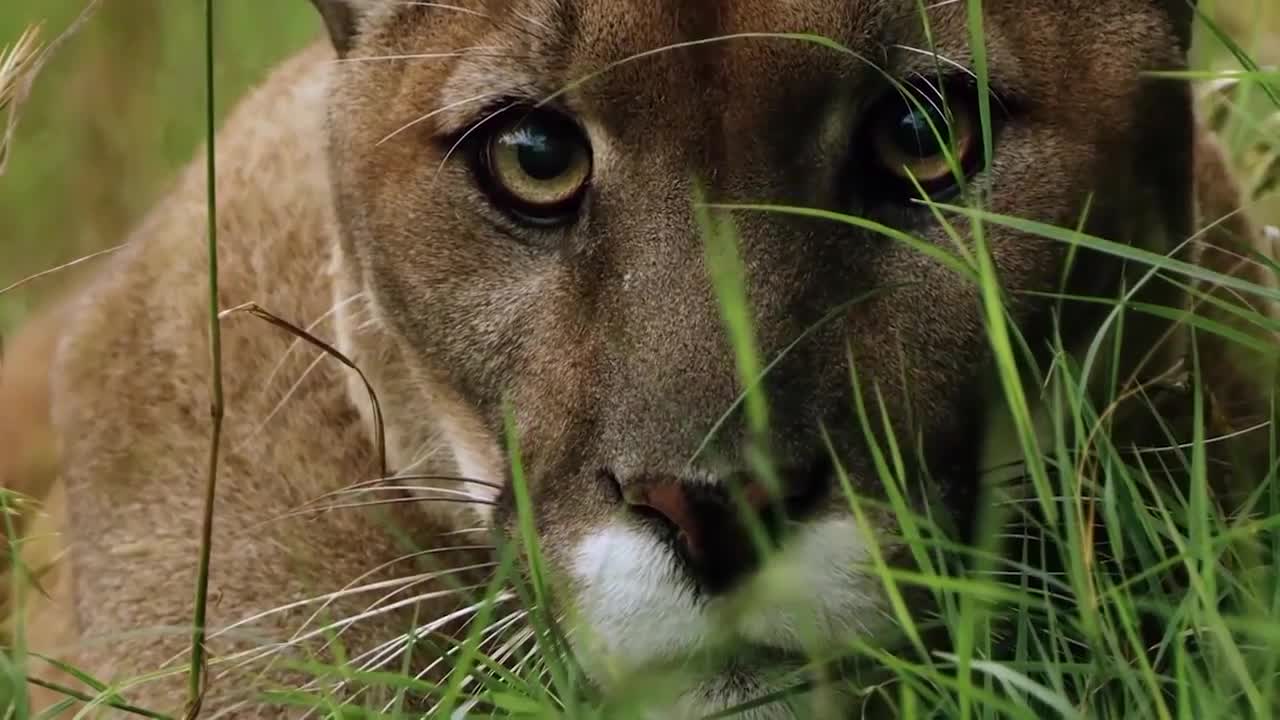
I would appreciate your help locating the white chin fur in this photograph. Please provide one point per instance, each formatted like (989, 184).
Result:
(634, 607)
(635, 611)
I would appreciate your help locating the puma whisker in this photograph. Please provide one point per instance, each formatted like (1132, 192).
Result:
(350, 589)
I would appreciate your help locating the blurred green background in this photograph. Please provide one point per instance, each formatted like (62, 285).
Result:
(120, 109)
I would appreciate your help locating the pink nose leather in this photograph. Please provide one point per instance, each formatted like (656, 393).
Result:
(672, 500)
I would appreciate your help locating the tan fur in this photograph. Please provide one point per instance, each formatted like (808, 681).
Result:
(608, 344)
(28, 467)
(27, 462)
(257, 554)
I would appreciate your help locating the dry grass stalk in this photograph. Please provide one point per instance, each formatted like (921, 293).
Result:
(21, 65)
(262, 313)
(17, 62)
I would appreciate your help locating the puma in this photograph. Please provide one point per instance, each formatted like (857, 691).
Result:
(491, 208)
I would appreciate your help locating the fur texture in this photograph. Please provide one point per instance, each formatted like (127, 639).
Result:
(347, 204)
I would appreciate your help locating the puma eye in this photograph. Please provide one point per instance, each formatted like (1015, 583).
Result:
(537, 166)
(922, 134)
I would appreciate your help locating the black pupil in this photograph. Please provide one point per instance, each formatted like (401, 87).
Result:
(914, 135)
(544, 151)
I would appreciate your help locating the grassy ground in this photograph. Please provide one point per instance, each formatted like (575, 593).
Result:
(122, 109)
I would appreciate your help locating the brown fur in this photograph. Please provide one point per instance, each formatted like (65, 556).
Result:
(28, 460)
(28, 467)
(605, 337)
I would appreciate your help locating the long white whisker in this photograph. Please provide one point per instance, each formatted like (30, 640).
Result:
(406, 582)
(349, 589)
(445, 6)
(447, 478)
(504, 652)
(386, 598)
(532, 21)
(276, 648)
(386, 651)
(487, 634)
(466, 531)
(404, 641)
(376, 482)
(941, 58)
(1207, 441)
(418, 121)
(1234, 254)
(327, 599)
(463, 138)
(946, 61)
(418, 56)
(546, 668)
(409, 488)
(490, 634)
(376, 503)
(418, 581)
(248, 657)
(477, 13)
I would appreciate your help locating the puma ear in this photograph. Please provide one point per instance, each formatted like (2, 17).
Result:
(341, 18)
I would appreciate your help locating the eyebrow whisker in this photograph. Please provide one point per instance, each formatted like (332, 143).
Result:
(451, 106)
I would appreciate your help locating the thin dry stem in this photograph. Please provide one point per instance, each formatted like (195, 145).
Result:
(16, 80)
(59, 268)
(197, 673)
(261, 313)
(16, 64)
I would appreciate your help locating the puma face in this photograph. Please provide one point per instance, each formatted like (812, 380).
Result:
(524, 187)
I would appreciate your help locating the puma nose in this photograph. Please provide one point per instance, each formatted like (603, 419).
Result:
(693, 513)
(718, 528)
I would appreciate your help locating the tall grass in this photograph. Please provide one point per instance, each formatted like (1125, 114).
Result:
(1175, 615)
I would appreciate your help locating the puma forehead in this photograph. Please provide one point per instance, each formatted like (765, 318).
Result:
(489, 207)
(624, 301)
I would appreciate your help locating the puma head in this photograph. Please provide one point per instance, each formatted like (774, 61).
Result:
(524, 187)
